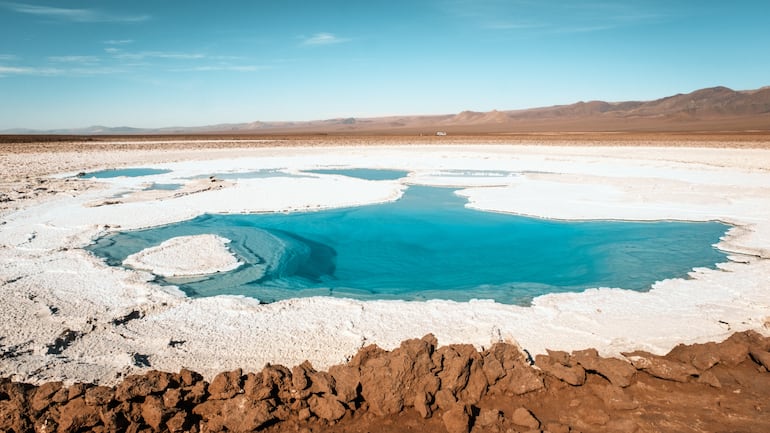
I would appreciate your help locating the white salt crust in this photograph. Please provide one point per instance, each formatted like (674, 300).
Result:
(49, 284)
(185, 256)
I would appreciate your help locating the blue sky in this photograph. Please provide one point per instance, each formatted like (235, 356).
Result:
(152, 63)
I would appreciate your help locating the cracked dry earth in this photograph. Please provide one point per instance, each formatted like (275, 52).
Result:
(711, 387)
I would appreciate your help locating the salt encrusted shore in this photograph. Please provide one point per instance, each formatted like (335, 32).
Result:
(68, 316)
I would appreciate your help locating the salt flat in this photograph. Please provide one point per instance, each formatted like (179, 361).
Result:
(67, 316)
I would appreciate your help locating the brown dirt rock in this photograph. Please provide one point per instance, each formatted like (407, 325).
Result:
(588, 418)
(493, 368)
(455, 367)
(761, 357)
(477, 384)
(46, 424)
(172, 398)
(299, 376)
(117, 419)
(422, 403)
(278, 378)
(733, 351)
(196, 394)
(617, 371)
(559, 356)
(321, 382)
(326, 407)
(347, 382)
(518, 381)
(572, 374)
(661, 367)
(143, 385)
(382, 386)
(523, 417)
(390, 382)
(241, 414)
(210, 412)
(444, 399)
(709, 378)
(614, 397)
(701, 356)
(42, 397)
(508, 355)
(76, 390)
(489, 418)
(704, 359)
(153, 412)
(226, 385)
(99, 396)
(189, 377)
(178, 422)
(12, 417)
(457, 419)
(76, 415)
(255, 389)
(555, 427)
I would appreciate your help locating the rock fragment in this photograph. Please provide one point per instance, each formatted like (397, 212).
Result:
(457, 419)
(617, 371)
(523, 417)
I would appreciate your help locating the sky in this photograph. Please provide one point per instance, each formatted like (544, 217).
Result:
(157, 63)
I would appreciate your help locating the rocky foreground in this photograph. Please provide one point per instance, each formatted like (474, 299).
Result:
(419, 387)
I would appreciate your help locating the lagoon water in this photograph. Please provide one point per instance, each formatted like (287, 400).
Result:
(363, 173)
(124, 172)
(427, 245)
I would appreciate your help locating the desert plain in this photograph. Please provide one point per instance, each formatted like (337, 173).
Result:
(69, 317)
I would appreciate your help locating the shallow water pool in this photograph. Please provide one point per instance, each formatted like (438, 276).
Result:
(124, 172)
(427, 245)
(363, 173)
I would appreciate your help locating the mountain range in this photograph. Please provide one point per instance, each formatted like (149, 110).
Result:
(710, 109)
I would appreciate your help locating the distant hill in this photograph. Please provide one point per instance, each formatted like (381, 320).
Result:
(711, 109)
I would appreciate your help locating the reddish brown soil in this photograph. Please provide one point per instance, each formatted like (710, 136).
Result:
(418, 387)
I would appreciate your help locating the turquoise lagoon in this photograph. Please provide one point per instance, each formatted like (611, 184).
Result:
(428, 245)
(124, 172)
(363, 173)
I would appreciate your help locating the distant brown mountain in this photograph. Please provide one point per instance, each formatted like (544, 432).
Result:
(711, 109)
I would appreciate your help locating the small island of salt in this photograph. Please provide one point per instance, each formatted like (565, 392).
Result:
(186, 256)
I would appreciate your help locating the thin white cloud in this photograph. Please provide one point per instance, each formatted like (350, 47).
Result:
(585, 29)
(26, 70)
(95, 70)
(46, 71)
(119, 41)
(72, 14)
(512, 26)
(544, 18)
(73, 59)
(154, 55)
(231, 68)
(324, 39)
(8, 57)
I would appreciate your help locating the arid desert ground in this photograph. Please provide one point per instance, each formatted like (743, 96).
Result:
(67, 317)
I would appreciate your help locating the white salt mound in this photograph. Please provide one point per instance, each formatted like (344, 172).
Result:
(185, 256)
